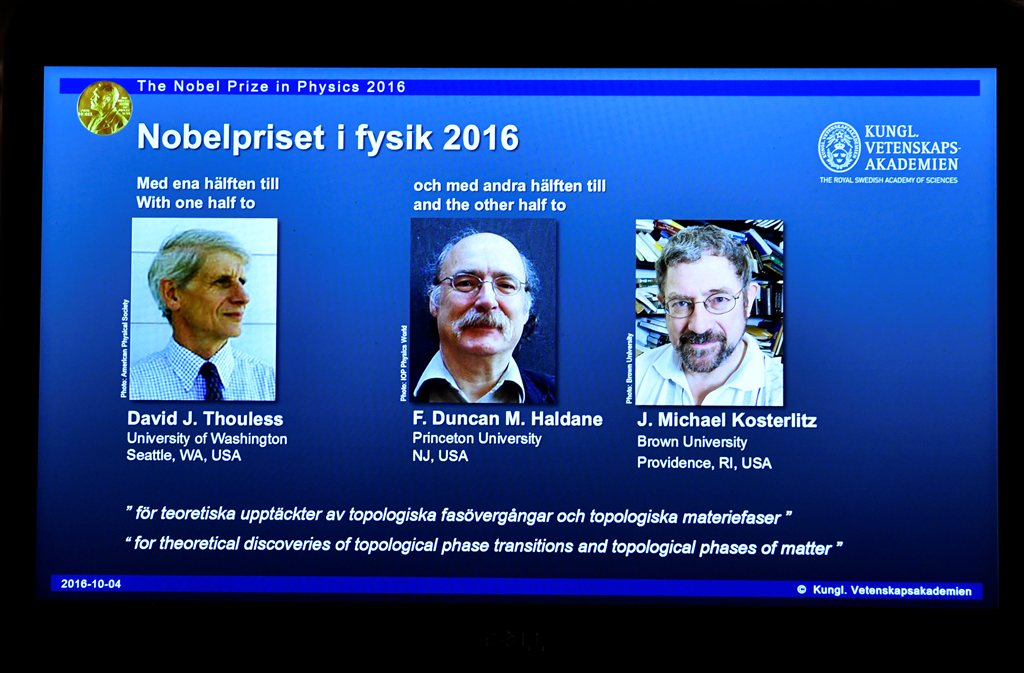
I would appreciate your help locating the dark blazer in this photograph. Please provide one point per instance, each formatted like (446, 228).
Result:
(540, 388)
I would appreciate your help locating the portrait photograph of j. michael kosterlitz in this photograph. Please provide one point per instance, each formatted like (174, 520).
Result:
(203, 309)
(709, 313)
(483, 323)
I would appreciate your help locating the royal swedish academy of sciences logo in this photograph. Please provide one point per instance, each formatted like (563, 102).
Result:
(839, 147)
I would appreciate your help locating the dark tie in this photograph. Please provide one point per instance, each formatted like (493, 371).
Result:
(214, 388)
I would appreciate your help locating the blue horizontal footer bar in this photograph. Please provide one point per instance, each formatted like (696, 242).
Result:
(505, 586)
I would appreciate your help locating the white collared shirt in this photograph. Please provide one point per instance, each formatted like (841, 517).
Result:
(173, 374)
(757, 382)
(509, 388)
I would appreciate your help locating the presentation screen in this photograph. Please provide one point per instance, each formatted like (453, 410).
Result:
(517, 335)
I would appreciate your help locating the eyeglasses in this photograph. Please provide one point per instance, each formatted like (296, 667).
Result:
(718, 304)
(469, 283)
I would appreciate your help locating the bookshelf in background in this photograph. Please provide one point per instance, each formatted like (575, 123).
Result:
(764, 242)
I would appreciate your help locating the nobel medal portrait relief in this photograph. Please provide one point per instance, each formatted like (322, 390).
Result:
(203, 310)
(709, 313)
(104, 108)
(483, 321)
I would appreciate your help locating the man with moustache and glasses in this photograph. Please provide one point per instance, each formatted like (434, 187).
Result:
(704, 279)
(482, 296)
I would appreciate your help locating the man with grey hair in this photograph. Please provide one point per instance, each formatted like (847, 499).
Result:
(704, 280)
(481, 294)
(198, 280)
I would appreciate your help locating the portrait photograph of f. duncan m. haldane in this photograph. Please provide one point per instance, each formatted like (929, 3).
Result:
(203, 310)
(709, 306)
(483, 323)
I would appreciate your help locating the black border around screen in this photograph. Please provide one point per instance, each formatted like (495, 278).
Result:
(966, 34)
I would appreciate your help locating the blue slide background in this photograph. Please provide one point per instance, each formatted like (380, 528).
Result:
(891, 329)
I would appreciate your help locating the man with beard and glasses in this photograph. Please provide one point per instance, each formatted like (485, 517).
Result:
(704, 279)
(482, 296)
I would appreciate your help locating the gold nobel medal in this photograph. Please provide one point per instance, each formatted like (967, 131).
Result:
(104, 108)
